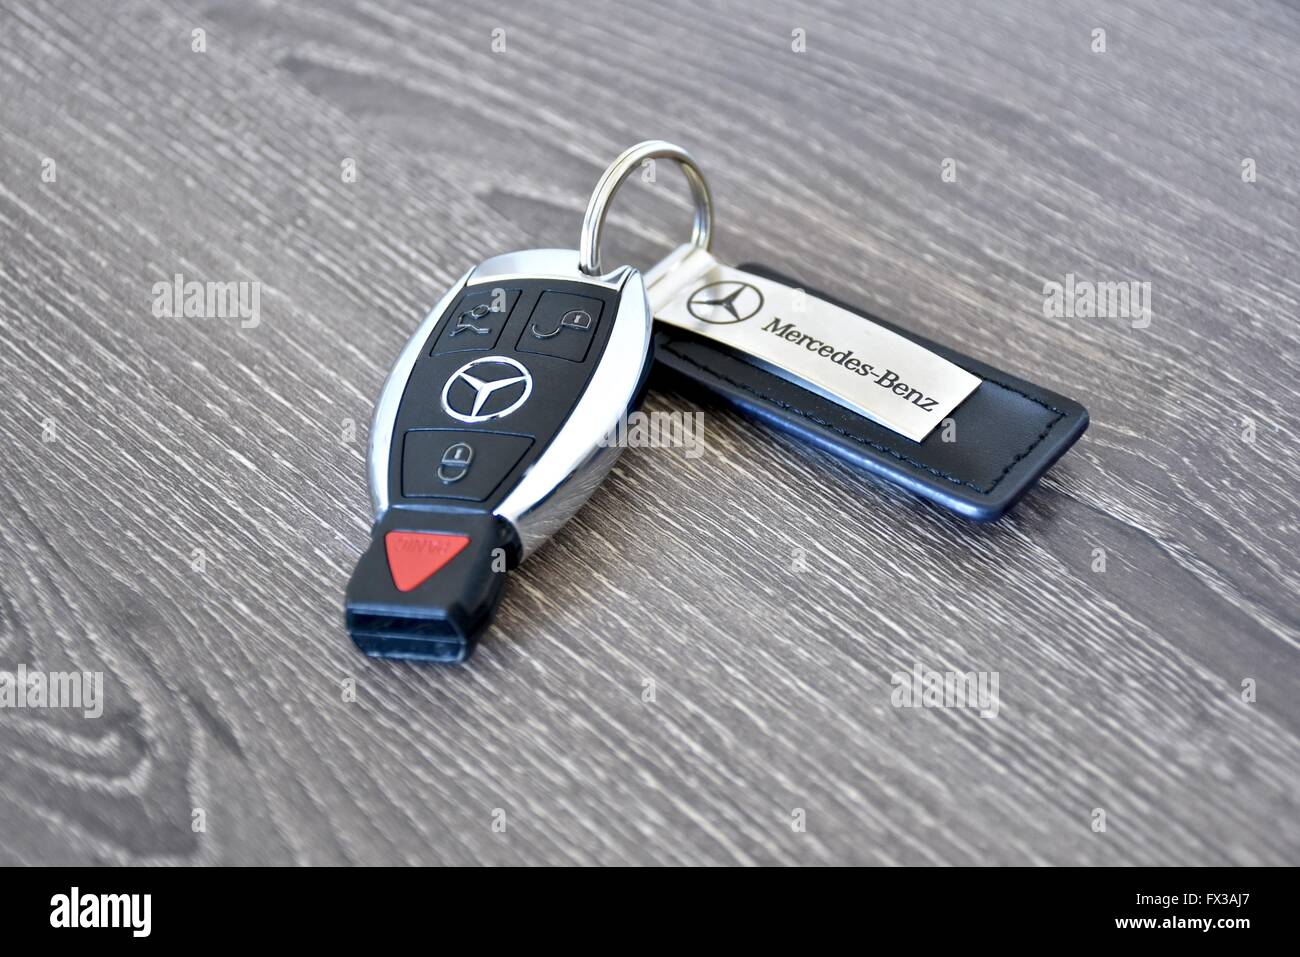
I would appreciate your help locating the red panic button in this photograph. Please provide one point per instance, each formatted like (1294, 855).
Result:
(413, 557)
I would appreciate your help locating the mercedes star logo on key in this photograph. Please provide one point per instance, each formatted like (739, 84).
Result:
(467, 394)
(725, 302)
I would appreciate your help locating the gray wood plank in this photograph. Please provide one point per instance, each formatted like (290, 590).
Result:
(1120, 690)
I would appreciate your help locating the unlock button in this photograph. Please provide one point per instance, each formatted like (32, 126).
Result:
(563, 325)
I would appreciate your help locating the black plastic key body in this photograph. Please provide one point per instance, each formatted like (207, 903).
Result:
(491, 431)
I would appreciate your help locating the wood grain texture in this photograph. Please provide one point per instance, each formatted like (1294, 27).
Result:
(1119, 690)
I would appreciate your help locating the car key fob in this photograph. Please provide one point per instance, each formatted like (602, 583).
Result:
(491, 430)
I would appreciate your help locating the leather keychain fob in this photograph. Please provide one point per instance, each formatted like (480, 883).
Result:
(998, 442)
(946, 426)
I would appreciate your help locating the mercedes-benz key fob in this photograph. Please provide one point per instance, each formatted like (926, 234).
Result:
(492, 429)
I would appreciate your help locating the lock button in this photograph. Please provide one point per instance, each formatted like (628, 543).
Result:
(458, 463)
(455, 463)
(562, 325)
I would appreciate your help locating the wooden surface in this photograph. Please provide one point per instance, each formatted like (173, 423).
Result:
(1120, 690)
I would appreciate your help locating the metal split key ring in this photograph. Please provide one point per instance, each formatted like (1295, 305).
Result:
(620, 170)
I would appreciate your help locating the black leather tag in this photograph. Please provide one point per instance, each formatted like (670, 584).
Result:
(1005, 435)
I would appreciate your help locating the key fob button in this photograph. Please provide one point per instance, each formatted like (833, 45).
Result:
(562, 325)
(477, 321)
(456, 463)
(414, 557)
